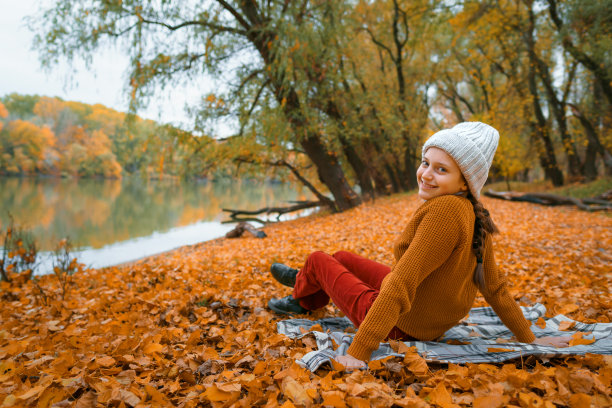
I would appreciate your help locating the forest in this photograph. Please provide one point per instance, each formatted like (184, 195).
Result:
(343, 93)
(42, 135)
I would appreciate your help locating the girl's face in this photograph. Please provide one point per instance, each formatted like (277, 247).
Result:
(439, 175)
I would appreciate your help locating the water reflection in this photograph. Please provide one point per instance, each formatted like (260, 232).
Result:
(98, 213)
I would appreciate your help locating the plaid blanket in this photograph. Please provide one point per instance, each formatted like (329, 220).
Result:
(488, 338)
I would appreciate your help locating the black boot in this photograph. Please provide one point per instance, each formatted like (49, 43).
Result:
(284, 274)
(286, 305)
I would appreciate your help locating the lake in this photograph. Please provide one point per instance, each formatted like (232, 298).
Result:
(114, 221)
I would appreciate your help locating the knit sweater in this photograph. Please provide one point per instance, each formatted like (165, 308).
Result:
(430, 287)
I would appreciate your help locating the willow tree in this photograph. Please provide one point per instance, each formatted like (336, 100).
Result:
(394, 71)
(172, 42)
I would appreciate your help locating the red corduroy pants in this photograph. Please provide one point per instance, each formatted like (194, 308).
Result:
(351, 281)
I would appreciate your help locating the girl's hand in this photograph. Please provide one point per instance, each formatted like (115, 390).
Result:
(553, 341)
(349, 362)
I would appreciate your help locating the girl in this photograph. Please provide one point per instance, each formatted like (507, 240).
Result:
(443, 257)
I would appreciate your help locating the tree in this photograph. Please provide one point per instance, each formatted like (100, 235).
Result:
(171, 41)
(25, 147)
(3, 114)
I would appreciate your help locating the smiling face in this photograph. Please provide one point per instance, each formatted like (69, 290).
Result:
(439, 175)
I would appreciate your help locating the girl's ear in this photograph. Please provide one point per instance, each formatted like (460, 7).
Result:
(464, 187)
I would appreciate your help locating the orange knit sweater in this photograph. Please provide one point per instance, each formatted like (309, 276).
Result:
(430, 288)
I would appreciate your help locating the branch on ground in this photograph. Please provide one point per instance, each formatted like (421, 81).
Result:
(598, 203)
(298, 205)
(282, 163)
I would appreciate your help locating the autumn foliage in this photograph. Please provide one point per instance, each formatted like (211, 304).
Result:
(349, 90)
(50, 136)
(191, 327)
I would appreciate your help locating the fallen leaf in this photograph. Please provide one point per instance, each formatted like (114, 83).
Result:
(580, 400)
(334, 399)
(498, 350)
(105, 361)
(153, 348)
(578, 339)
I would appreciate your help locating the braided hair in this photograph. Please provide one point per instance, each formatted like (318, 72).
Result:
(483, 225)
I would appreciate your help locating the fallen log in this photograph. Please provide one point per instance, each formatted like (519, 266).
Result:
(551, 199)
(298, 205)
(243, 227)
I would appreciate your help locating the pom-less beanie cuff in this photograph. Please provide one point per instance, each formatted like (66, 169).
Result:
(472, 145)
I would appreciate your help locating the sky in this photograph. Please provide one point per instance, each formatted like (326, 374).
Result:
(104, 82)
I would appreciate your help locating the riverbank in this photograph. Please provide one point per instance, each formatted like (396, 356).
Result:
(191, 326)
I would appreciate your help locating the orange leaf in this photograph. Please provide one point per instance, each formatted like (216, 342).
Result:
(416, 364)
(153, 348)
(530, 400)
(490, 401)
(541, 323)
(569, 308)
(229, 387)
(580, 400)
(357, 402)
(106, 361)
(334, 399)
(498, 350)
(566, 325)
(214, 394)
(577, 339)
(440, 396)
(316, 327)
(296, 392)
(336, 365)
(35, 391)
(375, 365)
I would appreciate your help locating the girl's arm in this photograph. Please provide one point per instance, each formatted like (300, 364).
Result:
(436, 236)
(496, 294)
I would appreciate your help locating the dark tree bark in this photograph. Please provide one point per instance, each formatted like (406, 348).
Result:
(558, 110)
(590, 162)
(329, 169)
(410, 166)
(546, 150)
(357, 164)
(593, 139)
(596, 67)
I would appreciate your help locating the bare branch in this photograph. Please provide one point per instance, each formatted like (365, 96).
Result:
(380, 44)
(263, 86)
(192, 23)
(236, 14)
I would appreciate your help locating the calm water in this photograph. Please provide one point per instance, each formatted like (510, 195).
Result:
(112, 221)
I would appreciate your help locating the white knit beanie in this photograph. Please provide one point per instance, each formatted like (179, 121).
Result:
(472, 145)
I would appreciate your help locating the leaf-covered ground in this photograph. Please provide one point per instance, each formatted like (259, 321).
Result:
(191, 327)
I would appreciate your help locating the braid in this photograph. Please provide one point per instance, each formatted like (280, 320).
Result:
(483, 225)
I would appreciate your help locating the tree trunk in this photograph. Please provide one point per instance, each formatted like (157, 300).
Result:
(410, 168)
(328, 167)
(589, 169)
(558, 111)
(546, 150)
(593, 139)
(359, 167)
(376, 163)
(598, 68)
(331, 172)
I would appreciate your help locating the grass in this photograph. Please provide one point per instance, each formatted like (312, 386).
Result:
(577, 190)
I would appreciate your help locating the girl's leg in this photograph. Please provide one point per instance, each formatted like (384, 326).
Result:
(370, 272)
(323, 276)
